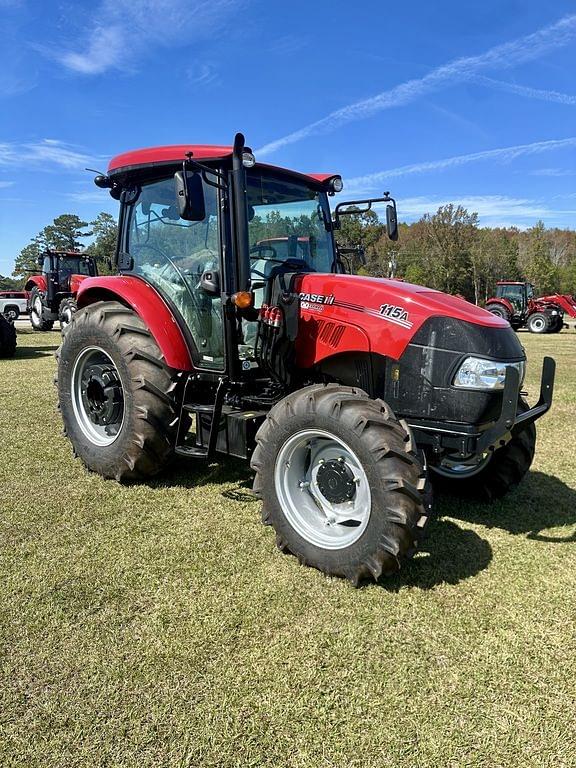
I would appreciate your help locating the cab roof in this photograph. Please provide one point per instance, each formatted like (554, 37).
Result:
(176, 153)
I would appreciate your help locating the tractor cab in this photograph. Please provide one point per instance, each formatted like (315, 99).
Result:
(517, 293)
(213, 232)
(58, 268)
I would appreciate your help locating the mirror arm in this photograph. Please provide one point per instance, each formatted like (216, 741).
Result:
(339, 210)
(193, 165)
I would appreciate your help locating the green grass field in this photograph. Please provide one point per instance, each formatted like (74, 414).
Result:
(157, 625)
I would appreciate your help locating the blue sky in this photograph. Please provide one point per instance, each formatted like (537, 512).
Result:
(437, 101)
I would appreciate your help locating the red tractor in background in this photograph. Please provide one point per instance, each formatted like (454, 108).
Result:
(348, 394)
(515, 302)
(52, 294)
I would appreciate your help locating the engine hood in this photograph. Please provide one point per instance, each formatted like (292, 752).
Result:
(387, 313)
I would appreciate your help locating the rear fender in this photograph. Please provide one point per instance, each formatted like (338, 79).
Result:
(149, 305)
(38, 281)
(507, 305)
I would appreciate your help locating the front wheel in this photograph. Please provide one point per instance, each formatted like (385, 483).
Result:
(67, 309)
(538, 323)
(341, 482)
(556, 325)
(116, 394)
(490, 475)
(36, 312)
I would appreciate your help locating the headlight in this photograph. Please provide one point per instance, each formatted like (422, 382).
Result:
(476, 373)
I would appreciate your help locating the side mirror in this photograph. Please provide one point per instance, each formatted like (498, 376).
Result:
(391, 222)
(210, 282)
(190, 196)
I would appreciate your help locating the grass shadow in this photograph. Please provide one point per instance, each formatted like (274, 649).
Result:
(191, 473)
(23, 353)
(448, 555)
(542, 501)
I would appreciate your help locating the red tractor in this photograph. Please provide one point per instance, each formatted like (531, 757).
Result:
(346, 393)
(52, 294)
(515, 302)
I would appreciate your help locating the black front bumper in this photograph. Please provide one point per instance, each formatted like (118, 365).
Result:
(468, 440)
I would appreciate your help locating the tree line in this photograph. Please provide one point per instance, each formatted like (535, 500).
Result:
(446, 250)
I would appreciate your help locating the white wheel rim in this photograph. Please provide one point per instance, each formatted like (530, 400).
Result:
(37, 309)
(85, 403)
(538, 324)
(324, 523)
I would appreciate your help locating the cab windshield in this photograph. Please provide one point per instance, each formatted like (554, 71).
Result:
(76, 265)
(286, 222)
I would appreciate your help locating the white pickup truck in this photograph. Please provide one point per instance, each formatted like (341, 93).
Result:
(13, 304)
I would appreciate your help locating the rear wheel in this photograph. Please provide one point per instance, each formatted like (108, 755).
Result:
(36, 312)
(341, 482)
(499, 311)
(7, 338)
(491, 475)
(116, 394)
(67, 309)
(538, 323)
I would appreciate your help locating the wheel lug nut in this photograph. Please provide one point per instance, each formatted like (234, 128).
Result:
(304, 484)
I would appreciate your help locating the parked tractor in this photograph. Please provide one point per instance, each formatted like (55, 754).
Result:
(52, 293)
(7, 337)
(515, 302)
(348, 394)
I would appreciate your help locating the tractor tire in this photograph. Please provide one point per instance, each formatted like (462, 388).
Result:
(7, 338)
(36, 311)
(11, 313)
(499, 311)
(496, 473)
(67, 309)
(341, 482)
(556, 325)
(538, 323)
(116, 394)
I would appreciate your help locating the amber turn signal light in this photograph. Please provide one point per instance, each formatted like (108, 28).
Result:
(242, 299)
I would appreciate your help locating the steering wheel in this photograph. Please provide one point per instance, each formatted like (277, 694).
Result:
(260, 248)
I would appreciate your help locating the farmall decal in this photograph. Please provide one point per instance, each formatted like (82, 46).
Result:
(315, 302)
(396, 315)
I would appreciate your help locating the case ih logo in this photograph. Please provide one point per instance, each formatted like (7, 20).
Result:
(394, 314)
(315, 301)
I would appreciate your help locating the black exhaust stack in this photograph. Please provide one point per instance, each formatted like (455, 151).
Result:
(240, 214)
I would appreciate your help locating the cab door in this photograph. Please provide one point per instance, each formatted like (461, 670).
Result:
(182, 260)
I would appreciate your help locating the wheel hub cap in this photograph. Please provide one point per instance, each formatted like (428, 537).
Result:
(336, 481)
(102, 394)
(97, 396)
